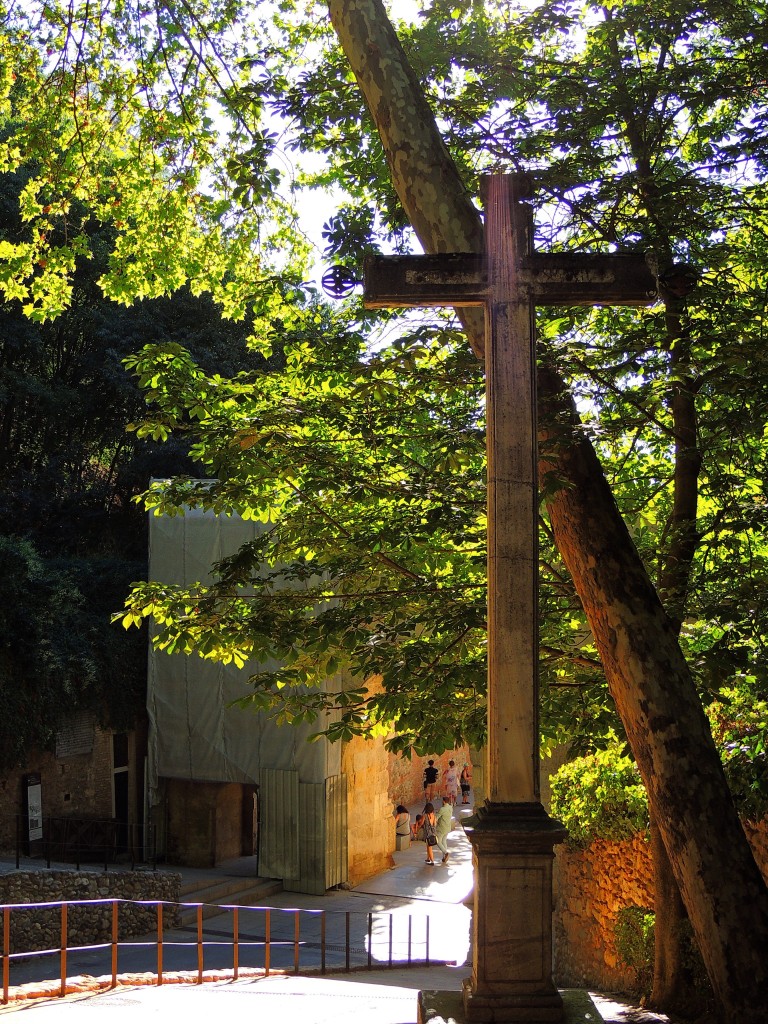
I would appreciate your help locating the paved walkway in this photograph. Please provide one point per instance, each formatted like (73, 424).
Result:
(411, 893)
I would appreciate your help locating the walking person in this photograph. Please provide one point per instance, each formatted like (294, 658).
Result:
(430, 833)
(465, 781)
(451, 783)
(443, 825)
(430, 779)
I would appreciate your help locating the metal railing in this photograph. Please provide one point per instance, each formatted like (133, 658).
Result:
(87, 841)
(286, 940)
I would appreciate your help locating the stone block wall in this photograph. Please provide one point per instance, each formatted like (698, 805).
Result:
(591, 886)
(405, 777)
(40, 927)
(204, 822)
(370, 825)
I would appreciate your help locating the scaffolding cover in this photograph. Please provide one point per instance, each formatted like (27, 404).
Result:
(193, 732)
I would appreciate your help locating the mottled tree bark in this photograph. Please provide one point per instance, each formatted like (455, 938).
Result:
(723, 891)
(674, 986)
(674, 989)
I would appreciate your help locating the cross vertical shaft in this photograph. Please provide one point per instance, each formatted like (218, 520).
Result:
(512, 836)
(512, 746)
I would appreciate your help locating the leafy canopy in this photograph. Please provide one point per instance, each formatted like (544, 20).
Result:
(645, 129)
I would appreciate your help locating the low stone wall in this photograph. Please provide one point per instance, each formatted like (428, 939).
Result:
(591, 887)
(40, 928)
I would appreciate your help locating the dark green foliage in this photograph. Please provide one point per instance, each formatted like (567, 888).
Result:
(72, 537)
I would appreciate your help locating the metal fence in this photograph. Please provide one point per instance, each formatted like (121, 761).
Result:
(266, 939)
(87, 841)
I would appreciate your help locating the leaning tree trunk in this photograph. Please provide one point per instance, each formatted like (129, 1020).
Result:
(673, 988)
(721, 886)
(723, 890)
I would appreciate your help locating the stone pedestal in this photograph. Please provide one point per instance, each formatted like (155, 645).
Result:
(513, 854)
(447, 1008)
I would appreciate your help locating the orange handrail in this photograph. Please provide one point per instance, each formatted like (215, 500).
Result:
(293, 940)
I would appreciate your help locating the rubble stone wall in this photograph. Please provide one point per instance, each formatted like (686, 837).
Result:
(591, 886)
(40, 927)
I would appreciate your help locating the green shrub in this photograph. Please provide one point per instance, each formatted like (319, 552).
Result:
(634, 936)
(600, 796)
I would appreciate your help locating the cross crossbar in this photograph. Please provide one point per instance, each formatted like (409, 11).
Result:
(555, 279)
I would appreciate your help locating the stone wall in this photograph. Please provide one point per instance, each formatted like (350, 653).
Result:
(370, 826)
(591, 886)
(406, 777)
(40, 928)
(75, 784)
(204, 822)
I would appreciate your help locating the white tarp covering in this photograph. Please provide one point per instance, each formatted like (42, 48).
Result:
(193, 734)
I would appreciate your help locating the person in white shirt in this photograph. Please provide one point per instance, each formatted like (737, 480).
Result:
(443, 826)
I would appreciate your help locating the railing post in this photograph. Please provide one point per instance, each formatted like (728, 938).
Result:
(390, 942)
(6, 951)
(427, 942)
(410, 923)
(18, 841)
(266, 942)
(346, 944)
(63, 950)
(235, 943)
(370, 940)
(159, 943)
(114, 943)
(322, 942)
(200, 944)
(296, 931)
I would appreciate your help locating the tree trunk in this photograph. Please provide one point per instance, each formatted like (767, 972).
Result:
(723, 890)
(675, 986)
(424, 175)
(721, 886)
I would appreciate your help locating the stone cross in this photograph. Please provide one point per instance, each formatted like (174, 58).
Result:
(512, 836)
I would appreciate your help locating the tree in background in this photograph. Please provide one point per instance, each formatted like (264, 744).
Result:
(72, 535)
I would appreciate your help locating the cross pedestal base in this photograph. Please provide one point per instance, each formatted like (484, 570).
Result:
(512, 855)
(447, 1008)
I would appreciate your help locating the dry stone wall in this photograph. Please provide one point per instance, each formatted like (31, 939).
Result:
(591, 886)
(40, 927)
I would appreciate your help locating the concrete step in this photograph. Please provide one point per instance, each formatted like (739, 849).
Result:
(226, 892)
